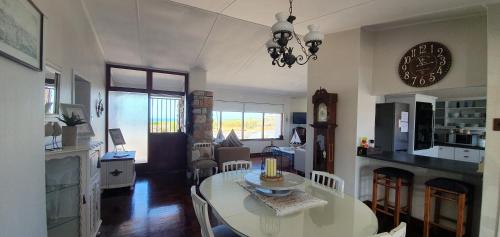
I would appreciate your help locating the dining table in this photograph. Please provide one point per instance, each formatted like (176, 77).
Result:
(342, 216)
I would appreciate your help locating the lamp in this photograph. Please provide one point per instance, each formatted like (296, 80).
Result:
(282, 32)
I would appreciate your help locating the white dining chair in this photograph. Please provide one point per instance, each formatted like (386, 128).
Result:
(399, 231)
(201, 210)
(236, 165)
(329, 180)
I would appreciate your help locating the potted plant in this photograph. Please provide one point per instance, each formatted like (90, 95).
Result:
(70, 131)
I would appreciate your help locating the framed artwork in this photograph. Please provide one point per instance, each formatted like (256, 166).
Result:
(116, 136)
(84, 130)
(21, 33)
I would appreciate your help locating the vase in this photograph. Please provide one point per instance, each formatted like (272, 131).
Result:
(69, 135)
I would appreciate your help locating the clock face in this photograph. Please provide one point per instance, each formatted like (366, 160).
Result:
(425, 64)
(322, 113)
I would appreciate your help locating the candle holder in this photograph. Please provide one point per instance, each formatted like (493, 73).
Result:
(271, 168)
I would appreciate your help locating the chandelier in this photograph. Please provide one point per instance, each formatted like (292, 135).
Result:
(283, 32)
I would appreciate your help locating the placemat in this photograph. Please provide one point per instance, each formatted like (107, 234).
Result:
(296, 201)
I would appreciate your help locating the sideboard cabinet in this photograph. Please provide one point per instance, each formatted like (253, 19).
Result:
(73, 190)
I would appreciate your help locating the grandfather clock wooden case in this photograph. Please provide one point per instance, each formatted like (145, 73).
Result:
(324, 124)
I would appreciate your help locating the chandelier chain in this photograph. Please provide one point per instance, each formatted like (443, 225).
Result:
(290, 9)
(295, 34)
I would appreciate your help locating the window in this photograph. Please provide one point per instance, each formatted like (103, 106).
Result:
(249, 125)
(232, 121)
(272, 125)
(253, 125)
(165, 114)
(215, 122)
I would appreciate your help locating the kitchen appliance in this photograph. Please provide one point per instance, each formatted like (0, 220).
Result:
(424, 126)
(391, 126)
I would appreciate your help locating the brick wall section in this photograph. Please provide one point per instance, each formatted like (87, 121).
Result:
(201, 115)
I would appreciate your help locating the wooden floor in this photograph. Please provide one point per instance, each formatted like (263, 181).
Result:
(161, 205)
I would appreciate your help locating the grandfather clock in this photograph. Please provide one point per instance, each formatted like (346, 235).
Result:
(324, 124)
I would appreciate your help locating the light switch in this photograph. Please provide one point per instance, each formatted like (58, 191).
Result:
(496, 124)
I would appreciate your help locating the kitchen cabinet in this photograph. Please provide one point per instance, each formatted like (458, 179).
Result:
(446, 152)
(468, 155)
(460, 154)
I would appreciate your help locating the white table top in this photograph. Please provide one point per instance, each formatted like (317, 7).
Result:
(342, 216)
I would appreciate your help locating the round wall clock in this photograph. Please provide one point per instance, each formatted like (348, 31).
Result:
(425, 64)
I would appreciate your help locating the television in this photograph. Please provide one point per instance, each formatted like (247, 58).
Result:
(299, 117)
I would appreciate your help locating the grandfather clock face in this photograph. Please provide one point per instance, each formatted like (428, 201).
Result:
(425, 64)
(322, 113)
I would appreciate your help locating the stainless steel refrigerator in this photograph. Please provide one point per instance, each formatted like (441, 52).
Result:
(391, 126)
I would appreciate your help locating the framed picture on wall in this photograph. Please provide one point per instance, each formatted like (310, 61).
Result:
(21, 33)
(84, 130)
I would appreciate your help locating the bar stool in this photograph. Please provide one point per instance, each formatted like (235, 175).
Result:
(450, 190)
(392, 178)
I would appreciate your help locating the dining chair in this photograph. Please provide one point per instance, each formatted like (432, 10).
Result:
(236, 165)
(399, 231)
(329, 180)
(201, 210)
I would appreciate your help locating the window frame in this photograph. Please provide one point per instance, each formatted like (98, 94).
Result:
(149, 91)
(281, 137)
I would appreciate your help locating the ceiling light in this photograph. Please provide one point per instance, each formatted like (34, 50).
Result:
(283, 32)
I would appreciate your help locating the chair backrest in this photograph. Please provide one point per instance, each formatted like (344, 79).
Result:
(399, 231)
(201, 209)
(329, 180)
(236, 165)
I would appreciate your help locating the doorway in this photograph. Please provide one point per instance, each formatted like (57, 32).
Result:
(148, 106)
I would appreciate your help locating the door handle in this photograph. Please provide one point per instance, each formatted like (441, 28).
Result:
(116, 172)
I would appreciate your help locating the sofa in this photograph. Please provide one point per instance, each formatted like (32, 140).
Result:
(225, 154)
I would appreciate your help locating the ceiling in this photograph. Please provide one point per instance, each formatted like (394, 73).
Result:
(226, 37)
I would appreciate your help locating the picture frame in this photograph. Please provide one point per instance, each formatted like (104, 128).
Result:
(116, 136)
(84, 130)
(21, 33)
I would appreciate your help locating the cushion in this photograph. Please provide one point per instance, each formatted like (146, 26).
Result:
(394, 173)
(232, 140)
(220, 137)
(450, 184)
(204, 164)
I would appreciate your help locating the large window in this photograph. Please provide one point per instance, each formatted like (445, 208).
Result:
(253, 126)
(232, 121)
(248, 125)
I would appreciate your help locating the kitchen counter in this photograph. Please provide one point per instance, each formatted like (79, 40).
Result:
(452, 166)
(458, 145)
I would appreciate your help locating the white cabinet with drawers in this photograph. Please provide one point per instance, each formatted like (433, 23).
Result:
(446, 152)
(460, 154)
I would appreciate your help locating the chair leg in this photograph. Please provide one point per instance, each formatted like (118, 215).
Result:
(427, 211)
(387, 190)
(397, 206)
(437, 209)
(409, 199)
(197, 176)
(374, 193)
(460, 215)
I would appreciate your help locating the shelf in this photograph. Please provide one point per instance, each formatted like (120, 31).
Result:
(51, 224)
(61, 187)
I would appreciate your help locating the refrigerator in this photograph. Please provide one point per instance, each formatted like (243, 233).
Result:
(391, 126)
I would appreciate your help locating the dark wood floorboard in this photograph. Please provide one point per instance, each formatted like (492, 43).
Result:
(160, 206)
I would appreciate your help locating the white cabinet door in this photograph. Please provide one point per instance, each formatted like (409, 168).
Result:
(95, 208)
(468, 155)
(446, 152)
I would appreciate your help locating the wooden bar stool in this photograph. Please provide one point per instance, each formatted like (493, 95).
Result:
(450, 190)
(392, 178)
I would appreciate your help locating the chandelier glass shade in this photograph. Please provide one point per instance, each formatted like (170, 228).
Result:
(282, 32)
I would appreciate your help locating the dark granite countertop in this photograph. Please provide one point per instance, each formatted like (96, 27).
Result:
(458, 145)
(452, 166)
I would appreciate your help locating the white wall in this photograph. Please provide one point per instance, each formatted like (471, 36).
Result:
(337, 70)
(197, 79)
(246, 96)
(465, 38)
(491, 179)
(69, 43)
